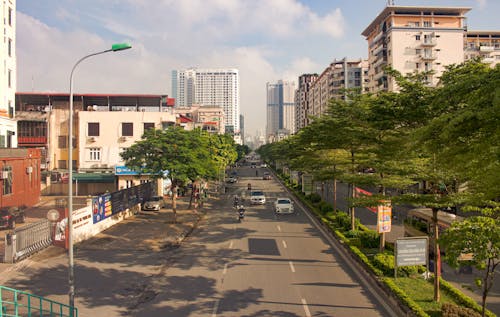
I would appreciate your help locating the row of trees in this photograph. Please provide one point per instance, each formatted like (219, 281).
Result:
(182, 156)
(446, 138)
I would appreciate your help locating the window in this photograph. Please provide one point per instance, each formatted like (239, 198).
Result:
(148, 125)
(93, 129)
(10, 17)
(9, 47)
(427, 24)
(9, 78)
(94, 154)
(7, 179)
(61, 141)
(418, 51)
(417, 37)
(127, 129)
(62, 164)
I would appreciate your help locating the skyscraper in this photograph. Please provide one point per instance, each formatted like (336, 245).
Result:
(209, 87)
(280, 109)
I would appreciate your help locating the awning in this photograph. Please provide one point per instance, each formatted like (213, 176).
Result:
(94, 177)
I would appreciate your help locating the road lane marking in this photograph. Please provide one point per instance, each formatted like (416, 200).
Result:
(279, 228)
(231, 245)
(306, 309)
(225, 269)
(291, 266)
(216, 307)
(284, 243)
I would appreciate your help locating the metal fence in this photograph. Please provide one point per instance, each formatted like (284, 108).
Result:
(29, 239)
(18, 303)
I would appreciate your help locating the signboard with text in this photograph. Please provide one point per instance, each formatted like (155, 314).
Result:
(412, 251)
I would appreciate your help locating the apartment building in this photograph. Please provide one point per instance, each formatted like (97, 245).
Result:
(339, 76)
(103, 126)
(483, 44)
(411, 38)
(8, 126)
(210, 87)
(280, 109)
(302, 100)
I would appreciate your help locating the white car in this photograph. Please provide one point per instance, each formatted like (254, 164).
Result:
(257, 197)
(154, 203)
(283, 205)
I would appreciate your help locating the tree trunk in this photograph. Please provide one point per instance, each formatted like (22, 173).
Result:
(174, 202)
(437, 255)
(351, 209)
(335, 195)
(382, 235)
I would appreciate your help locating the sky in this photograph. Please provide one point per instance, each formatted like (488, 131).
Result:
(266, 40)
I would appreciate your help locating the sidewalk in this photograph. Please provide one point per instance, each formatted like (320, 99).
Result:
(148, 231)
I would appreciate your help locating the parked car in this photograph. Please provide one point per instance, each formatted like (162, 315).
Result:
(10, 216)
(266, 176)
(283, 205)
(154, 203)
(257, 197)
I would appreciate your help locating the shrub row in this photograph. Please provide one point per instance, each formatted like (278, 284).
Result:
(410, 303)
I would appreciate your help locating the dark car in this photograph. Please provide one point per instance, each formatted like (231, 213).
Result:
(10, 216)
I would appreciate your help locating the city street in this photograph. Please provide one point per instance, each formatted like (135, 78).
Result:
(263, 266)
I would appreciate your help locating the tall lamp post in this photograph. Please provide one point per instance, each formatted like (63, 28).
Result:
(114, 48)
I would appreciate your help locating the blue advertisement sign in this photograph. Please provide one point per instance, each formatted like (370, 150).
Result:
(101, 207)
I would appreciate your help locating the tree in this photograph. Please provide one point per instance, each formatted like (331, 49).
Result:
(479, 239)
(179, 154)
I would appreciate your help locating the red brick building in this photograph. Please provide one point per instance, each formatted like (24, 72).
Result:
(19, 177)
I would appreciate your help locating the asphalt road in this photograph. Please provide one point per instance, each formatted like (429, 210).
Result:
(263, 266)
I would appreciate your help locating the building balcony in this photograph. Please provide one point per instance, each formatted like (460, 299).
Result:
(428, 57)
(486, 49)
(380, 48)
(429, 42)
(380, 62)
(488, 60)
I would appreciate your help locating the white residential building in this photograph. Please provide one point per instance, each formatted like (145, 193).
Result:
(8, 126)
(210, 87)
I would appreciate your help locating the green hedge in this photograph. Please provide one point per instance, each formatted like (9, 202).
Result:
(385, 262)
(410, 303)
(462, 299)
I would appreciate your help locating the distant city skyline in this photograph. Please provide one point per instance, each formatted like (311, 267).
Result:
(243, 34)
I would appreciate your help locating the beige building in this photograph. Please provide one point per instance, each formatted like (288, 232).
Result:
(485, 44)
(207, 118)
(338, 77)
(411, 39)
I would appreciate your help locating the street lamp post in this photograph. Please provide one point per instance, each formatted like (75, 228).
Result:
(114, 48)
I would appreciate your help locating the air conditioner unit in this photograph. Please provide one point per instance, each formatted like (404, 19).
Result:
(4, 175)
(29, 169)
(92, 139)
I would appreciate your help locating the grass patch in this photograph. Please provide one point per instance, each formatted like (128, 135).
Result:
(422, 292)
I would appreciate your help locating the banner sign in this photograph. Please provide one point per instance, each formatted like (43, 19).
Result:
(384, 212)
(359, 192)
(106, 205)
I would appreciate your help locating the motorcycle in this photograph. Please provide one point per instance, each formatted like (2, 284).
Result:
(241, 213)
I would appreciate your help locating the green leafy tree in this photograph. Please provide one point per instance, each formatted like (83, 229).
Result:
(179, 154)
(477, 238)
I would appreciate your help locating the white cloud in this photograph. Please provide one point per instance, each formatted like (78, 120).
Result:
(481, 3)
(254, 36)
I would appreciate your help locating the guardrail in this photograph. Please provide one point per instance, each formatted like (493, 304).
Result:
(15, 303)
